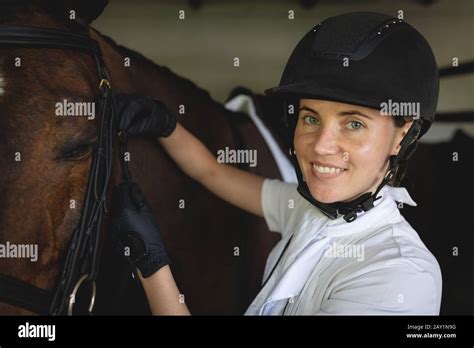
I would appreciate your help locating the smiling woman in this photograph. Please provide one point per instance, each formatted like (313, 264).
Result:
(345, 247)
(346, 149)
(343, 149)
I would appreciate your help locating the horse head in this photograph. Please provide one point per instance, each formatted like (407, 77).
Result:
(48, 131)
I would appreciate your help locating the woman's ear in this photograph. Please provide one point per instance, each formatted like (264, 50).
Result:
(400, 133)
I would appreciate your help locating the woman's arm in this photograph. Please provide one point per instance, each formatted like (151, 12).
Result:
(233, 185)
(163, 294)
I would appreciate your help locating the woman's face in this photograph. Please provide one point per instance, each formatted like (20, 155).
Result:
(343, 149)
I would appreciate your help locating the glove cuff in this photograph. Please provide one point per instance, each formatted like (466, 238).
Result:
(169, 125)
(152, 262)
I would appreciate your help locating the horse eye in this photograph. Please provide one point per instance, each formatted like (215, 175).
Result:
(77, 152)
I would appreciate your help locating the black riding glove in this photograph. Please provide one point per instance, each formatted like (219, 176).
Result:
(135, 231)
(144, 116)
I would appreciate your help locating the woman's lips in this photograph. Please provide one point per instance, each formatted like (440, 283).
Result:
(326, 172)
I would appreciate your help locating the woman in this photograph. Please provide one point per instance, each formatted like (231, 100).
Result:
(360, 90)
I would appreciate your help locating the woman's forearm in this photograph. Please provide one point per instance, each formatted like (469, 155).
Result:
(163, 294)
(189, 153)
(238, 187)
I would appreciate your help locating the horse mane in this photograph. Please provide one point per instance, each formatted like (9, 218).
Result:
(269, 109)
(127, 52)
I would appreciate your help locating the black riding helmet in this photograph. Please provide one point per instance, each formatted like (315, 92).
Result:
(366, 59)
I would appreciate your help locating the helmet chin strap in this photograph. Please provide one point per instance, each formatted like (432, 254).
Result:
(350, 209)
(365, 202)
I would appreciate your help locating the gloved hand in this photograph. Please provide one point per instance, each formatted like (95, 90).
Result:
(133, 225)
(144, 116)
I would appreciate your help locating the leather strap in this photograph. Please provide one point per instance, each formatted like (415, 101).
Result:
(24, 295)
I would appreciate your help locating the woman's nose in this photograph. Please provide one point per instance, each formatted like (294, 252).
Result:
(326, 140)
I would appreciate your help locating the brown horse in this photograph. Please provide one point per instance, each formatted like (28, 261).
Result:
(218, 251)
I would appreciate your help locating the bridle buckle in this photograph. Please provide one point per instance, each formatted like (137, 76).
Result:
(106, 83)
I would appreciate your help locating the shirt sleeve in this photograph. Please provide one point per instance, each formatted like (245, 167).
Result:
(392, 291)
(279, 200)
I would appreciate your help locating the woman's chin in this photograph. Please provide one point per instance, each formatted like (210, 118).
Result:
(324, 196)
(327, 190)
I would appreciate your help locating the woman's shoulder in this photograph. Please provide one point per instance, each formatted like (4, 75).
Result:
(285, 193)
(276, 186)
(284, 209)
(399, 248)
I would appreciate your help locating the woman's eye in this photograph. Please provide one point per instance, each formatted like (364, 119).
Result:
(311, 120)
(354, 125)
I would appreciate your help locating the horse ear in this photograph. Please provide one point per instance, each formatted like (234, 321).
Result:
(84, 11)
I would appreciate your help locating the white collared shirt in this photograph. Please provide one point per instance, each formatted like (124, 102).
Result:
(375, 265)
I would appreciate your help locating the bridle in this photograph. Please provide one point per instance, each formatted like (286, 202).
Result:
(82, 260)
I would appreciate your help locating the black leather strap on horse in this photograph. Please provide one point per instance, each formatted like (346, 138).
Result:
(24, 295)
(82, 259)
